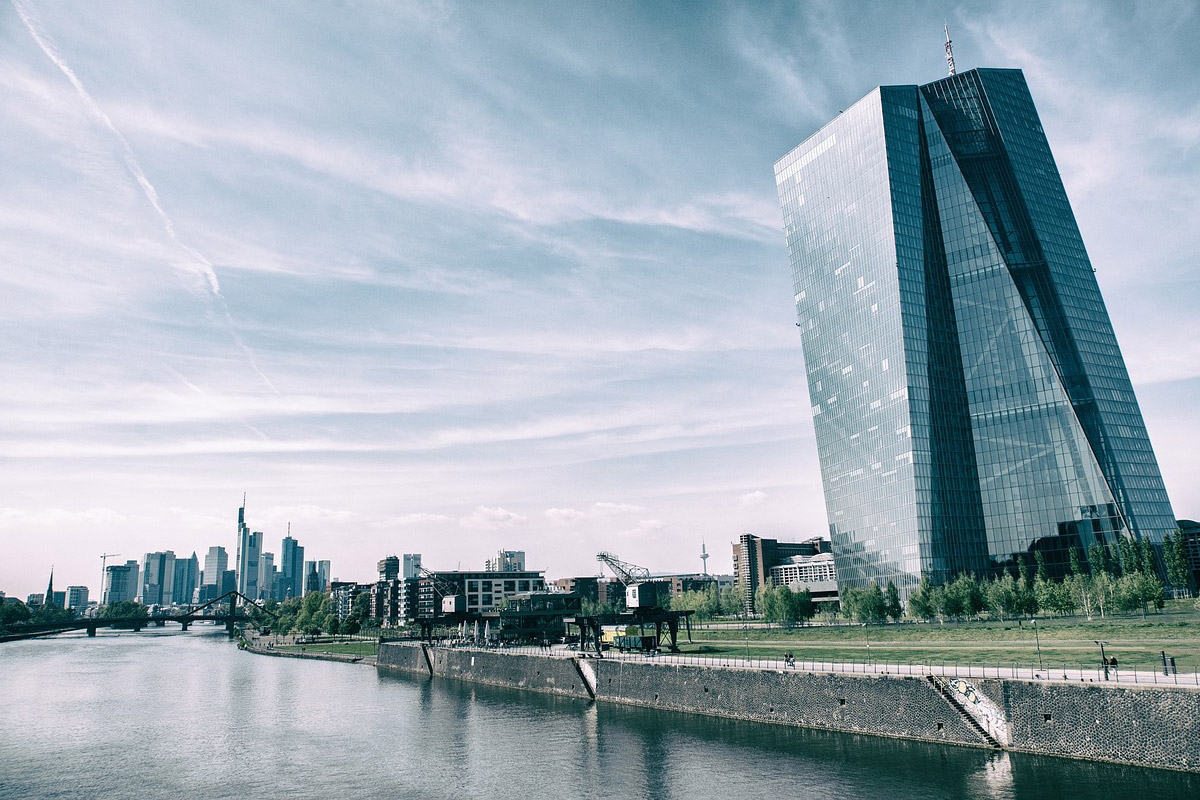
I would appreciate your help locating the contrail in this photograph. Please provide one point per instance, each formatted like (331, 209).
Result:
(199, 263)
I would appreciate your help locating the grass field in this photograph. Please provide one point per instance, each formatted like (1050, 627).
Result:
(1136, 642)
(1068, 642)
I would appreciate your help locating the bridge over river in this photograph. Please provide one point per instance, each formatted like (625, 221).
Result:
(225, 609)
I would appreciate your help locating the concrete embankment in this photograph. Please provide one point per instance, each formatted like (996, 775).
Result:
(1150, 726)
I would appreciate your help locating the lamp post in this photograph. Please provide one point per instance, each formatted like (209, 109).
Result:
(1037, 639)
(1103, 658)
(867, 636)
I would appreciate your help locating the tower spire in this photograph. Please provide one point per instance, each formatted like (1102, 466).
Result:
(949, 50)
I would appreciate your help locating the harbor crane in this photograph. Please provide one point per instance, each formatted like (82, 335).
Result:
(626, 573)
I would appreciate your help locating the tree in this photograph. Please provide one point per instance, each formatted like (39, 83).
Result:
(1040, 559)
(892, 605)
(925, 602)
(1004, 597)
(803, 607)
(1137, 590)
(865, 605)
(1076, 561)
(1054, 596)
(1175, 556)
(124, 609)
(964, 597)
(1082, 593)
(13, 612)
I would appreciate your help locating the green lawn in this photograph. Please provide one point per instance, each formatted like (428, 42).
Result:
(1136, 642)
(364, 647)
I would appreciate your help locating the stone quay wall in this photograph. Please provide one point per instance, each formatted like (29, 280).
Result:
(1156, 726)
(547, 674)
(1148, 726)
(881, 705)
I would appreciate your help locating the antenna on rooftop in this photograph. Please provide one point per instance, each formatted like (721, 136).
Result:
(949, 51)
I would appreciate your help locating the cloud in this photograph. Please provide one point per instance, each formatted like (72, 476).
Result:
(19, 518)
(601, 510)
(752, 498)
(643, 528)
(422, 519)
(491, 518)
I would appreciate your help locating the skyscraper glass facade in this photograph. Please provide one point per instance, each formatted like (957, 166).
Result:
(970, 402)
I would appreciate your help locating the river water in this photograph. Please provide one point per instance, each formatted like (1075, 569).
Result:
(166, 714)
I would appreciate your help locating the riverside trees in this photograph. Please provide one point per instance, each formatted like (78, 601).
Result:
(1104, 580)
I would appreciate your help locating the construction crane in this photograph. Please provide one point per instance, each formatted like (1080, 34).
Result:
(446, 590)
(626, 573)
(104, 557)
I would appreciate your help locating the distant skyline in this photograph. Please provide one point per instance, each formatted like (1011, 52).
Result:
(449, 278)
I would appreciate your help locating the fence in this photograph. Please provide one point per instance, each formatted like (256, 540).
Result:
(1050, 671)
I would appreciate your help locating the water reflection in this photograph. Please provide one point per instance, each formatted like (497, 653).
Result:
(180, 715)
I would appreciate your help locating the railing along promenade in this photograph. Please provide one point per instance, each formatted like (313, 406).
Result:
(1049, 671)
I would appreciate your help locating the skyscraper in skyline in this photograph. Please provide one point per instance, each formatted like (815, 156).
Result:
(158, 578)
(187, 579)
(249, 548)
(970, 402)
(120, 582)
(215, 563)
(291, 567)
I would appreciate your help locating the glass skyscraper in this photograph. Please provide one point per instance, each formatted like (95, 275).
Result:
(970, 402)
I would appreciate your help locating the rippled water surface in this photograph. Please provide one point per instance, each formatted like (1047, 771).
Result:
(180, 715)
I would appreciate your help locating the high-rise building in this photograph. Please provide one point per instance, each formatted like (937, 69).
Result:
(215, 564)
(291, 567)
(249, 549)
(187, 578)
(754, 557)
(77, 597)
(389, 568)
(506, 561)
(312, 581)
(120, 582)
(970, 402)
(158, 578)
(267, 577)
(411, 565)
(324, 575)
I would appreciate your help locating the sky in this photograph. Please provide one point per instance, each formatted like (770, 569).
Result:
(450, 278)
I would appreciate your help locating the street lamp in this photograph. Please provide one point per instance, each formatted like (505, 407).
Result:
(1103, 658)
(1037, 639)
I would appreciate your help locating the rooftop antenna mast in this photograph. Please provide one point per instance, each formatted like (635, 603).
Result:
(949, 51)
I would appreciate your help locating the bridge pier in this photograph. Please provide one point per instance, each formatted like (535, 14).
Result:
(185, 623)
(91, 630)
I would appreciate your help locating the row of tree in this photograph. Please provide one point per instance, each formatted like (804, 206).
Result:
(313, 614)
(1122, 578)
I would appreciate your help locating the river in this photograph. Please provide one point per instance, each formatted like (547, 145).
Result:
(166, 714)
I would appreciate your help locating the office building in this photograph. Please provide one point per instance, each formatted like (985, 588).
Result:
(816, 575)
(754, 556)
(120, 582)
(249, 550)
(481, 591)
(506, 561)
(158, 578)
(410, 565)
(186, 581)
(389, 568)
(268, 577)
(291, 567)
(77, 597)
(216, 561)
(970, 401)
